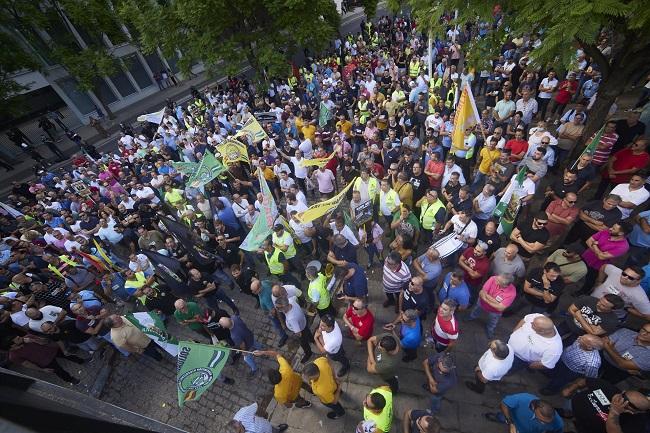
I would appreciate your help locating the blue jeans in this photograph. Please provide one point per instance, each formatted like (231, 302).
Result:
(249, 358)
(493, 319)
(278, 326)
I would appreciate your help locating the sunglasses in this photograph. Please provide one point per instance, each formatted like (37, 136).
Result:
(541, 223)
(628, 276)
(358, 308)
(629, 403)
(572, 201)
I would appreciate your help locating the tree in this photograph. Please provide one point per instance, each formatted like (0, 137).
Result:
(225, 34)
(25, 48)
(563, 27)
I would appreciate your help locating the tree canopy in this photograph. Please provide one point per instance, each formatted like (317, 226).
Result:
(563, 27)
(225, 34)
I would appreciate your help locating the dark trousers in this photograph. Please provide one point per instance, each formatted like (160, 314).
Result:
(410, 354)
(560, 376)
(219, 295)
(288, 278)
(590, 281)
(329, 310)
(60, 371)
(340, 357)
(479, 385)
(152, 351)
(602, 188)
(393, 383)
(543, 106)
(336, 408)
(612, 373)
(305, 339)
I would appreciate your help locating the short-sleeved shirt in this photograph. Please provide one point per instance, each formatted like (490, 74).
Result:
(415, 301)
(523, 417)
(394, 280)
(504, 295)
(531, 235)
(50, 313)
(364, 324)
(443, 330)
(607, 245)
(638, 237)
(478, 264)
(415, 417)
(459, 293)
(572, 271)
(193, 310)
(596, 211)
(289, 387)
(555, 208)
(493, 368)
(529, 346)
(587, 307)
(591, 406)
(240, 333)
(556, 287)
(325, 386)
(634, 296)
(431, 269)
(499, 264)
(626, 345)
(357, 286)
(411, 337)
(444, 381)
(385, 363)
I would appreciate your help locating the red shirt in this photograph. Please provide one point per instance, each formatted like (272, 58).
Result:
(478, 264)
(436, 167)
(563, 95)
(443, 331)
(516, 146)
(625, 160)
(555, 208)
(39, 354)
(364, 324)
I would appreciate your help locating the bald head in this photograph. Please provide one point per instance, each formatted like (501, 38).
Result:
(590, 342)
(226, 323)
(180, 305)
(256, 286)
(279, 291)
(543, 326)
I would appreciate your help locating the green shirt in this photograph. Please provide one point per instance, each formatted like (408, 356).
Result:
(193, 310)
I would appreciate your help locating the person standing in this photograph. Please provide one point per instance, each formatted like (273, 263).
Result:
(324, 385)
(329, 341)
(543, 288)
(410, 334)
(492, 366)
(622, 165)
(243, 339)
(126, 336)
(395, 276)
(246, 420)
(378, 407)
(632, 194)
(440, 371)
(602, 248)
(580, 359)
(262, 289)
(296, 322)
(359, 320)
(317, 292)
(525, 413)
(444, 329)
(497, 294)
(383, 356)
(536, 343)
(286, 382)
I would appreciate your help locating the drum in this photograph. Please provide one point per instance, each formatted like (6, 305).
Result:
(448, 245)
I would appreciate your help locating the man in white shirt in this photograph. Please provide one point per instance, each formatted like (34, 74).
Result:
(626, 284)
(49, 313)
(536, 343)
(329, 339)
(339, 228)
(498, 134)
(295, 320)
(108, 233)
(632, 194)
(293, 204)
(145, 192)
(246, 421)
(492, 366)
(546, 89)
(464, 227)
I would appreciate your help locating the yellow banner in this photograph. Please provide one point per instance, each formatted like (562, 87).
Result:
(319, 162)
(319, 209)
(252, 129)
(466, 117)
(233, 150)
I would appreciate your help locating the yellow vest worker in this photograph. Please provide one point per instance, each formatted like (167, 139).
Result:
(428, 212)
(372, 410)
(373, 187)
(414, 68)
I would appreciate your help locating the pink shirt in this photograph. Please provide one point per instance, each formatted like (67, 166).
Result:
(504, 295)
(615, 247)
(325, 180)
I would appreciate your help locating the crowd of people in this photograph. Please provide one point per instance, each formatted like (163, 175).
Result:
(82, 246)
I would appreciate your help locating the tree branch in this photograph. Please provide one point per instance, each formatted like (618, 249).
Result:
(593, 52)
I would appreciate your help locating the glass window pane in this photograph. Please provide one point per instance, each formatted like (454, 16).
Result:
(121, 81)
(155, 64)
(104, 92)
(137, 71)
(80, 99)
(173, 63)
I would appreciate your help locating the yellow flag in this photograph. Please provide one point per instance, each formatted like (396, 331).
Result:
(466, 117)
(233, 150)
(319, 209)
(319, 162)
(104, 256)
(252, 129)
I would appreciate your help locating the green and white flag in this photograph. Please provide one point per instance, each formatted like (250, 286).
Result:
(263, 226)
(324, 115)
(509, 205)
(152, 325)
(209, 168)
(591, 147)
(185, 168)
(198, 366)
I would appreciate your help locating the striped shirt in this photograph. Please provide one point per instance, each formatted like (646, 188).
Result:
(443, 331)
(252, 423)
(578, 360)
(602, 155)
(394, 281)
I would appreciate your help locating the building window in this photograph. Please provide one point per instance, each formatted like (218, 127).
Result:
(104, 92)
(137, 71)
(79, 99)
(121, 81)
(154, 62)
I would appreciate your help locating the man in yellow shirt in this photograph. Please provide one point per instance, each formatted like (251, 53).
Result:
(489, 154)
(378, 407)
(127, 336)
(286, 382)
(345, 124)
(309, 131)
(324, 385)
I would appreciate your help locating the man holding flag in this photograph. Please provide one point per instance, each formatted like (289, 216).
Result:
(519, 191)
(463, 138)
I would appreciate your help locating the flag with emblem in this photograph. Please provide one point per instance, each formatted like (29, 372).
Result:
(233, 150)
(185, 168)
(591, 147)
(263, 226)
(209, 168)
(197, 367)
(324, 115)
(152, 325)
(508, 207)
(253, 130)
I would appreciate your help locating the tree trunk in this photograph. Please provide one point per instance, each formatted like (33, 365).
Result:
(609, 90)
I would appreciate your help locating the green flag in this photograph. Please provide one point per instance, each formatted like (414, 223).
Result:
(324, 115)
(185, 168)
(591, 147)
(509, 205)
(263, 226)
(198, 366)
(209, 168)
(152, 325)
